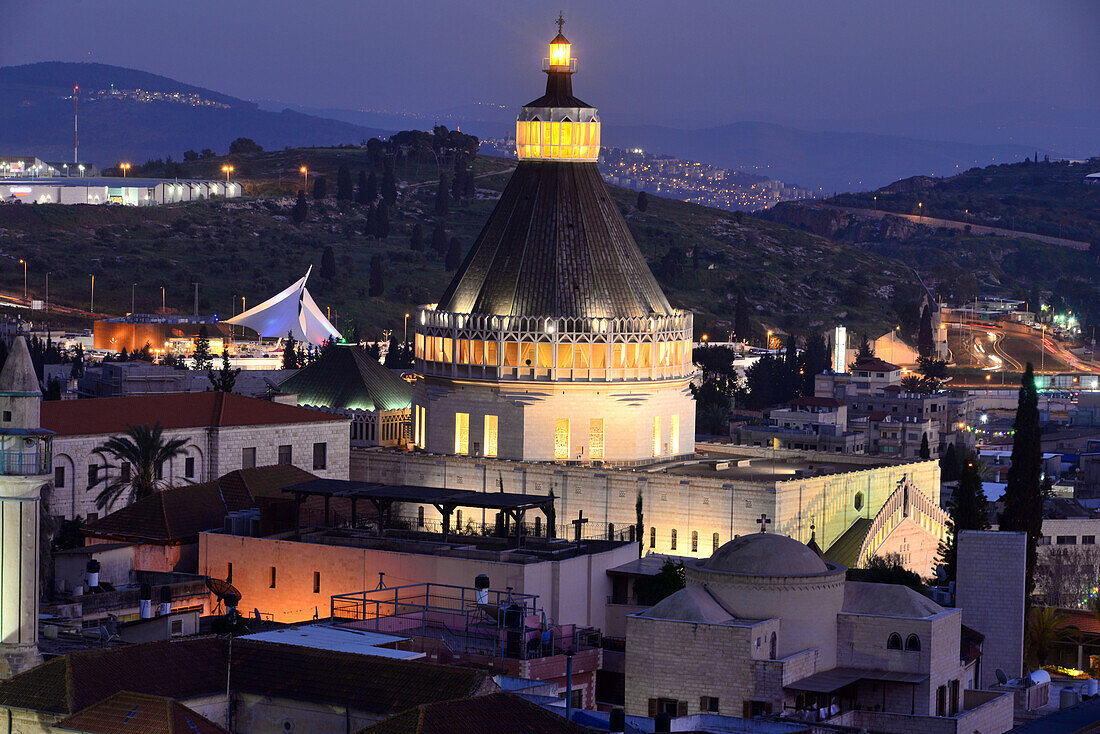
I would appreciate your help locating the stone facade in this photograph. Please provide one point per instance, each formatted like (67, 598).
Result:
(210, 452)
(989, 589)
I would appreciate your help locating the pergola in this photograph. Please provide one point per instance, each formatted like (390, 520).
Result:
(383, 496)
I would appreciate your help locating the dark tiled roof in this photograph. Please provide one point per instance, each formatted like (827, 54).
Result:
(181, 513)
(347, 378)
(874, 364)
(559, 92)
(498, 713)
(555, 246)
(138, 713)
(845, 549)
(102, 416)
(197, 667)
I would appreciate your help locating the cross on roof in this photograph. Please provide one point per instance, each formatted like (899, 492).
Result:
(578, 524)
(763, 521)
(560, 21)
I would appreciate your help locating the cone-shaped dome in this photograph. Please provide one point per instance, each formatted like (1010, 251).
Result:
(18, 374)
(555, 246)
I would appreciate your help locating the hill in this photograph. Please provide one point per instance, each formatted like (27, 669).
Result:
(1045, 198)
(133, 115)
(251, 247)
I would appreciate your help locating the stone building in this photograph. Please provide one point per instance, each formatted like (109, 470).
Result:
(554, 342)
(790, 635)
(223, 432)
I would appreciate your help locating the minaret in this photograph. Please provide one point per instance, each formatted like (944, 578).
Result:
(554, 342)
(24, 468)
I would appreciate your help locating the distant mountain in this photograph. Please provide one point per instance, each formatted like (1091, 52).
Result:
(127, 114)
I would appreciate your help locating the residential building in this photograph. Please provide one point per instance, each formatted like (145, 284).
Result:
(806, 424)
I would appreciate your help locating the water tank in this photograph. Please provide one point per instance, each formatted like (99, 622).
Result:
(1068, 697)
(93, 573)
(481, 583)
(1091, 687)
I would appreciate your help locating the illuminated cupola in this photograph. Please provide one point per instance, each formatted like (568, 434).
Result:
(558, 126)
(554, 341)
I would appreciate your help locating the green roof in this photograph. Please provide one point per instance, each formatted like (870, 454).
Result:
(347, 378)
(845, 549)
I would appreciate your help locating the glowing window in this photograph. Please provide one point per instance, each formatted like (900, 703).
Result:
(674, 438)
(595, 438)
(419, 342)
(545, 355)
(490, 435)
(599, 356)
(561, 438)
(477, 352)
(656, 435)
(448, 349)
(463, 351)
(462, 433)
(491, 352)
(582, 356)
(511, 354)
(527, 354)
(565, 356)
(562, 140)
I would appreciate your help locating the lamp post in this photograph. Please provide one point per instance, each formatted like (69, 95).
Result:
(876, 202)
(920, 208)
(125, 167)
(305, 178)
(24, 264)
(162, 299)
(47, 291)
(133, 298)
(228, 170)
(91, 303)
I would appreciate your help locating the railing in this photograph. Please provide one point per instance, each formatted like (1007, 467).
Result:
(905, 501)
(25, 454)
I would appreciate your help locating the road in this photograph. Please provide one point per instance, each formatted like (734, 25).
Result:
(974, 228)
(992, 348)
(12, 300)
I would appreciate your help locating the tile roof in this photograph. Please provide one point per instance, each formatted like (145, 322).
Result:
(105, 416)
(138, 713)
(874, 364)
(181, 513)
(197, 666)
(497, 713)
(555, 246)
(347, 378)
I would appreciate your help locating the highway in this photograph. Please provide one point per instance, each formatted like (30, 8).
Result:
(992, 348)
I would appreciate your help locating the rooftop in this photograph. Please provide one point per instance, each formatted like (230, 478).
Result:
(109, 181)
(104, 416)
(497, 713)
(874, 364)
(347, 378)
(138, 713)
(754, 464)
(765, 554)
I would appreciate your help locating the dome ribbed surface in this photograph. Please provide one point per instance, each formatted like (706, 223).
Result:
(765, 554)
(555, 246)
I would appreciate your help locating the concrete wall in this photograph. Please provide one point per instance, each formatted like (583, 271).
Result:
(989, 589)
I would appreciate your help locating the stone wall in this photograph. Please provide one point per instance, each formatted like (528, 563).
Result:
(989, 589)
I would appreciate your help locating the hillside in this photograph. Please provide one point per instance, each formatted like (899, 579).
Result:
(251, 247)
(1041, 198)
(133, 115)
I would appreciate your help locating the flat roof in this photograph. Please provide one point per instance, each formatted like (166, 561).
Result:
(337, 639)
(754, 468)
(111, 181)
(424, 495)
(828, 681)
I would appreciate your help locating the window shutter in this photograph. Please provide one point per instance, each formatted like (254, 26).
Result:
(652, 707)
(702, 703)
(681, 708)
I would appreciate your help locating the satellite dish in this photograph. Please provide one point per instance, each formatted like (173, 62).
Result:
(1002, 677)
(222, 589)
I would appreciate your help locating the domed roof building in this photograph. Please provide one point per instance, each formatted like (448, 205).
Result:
(554, 342)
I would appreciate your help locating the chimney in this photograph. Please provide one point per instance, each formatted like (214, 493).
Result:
(165, 600)
(616, 721)
(93, 573)
(662, 723)
(146, 596)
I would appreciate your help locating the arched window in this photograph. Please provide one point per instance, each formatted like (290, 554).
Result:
(694, 541)
(858, 502)
(771, 647)
(893, 642)
(652, 537)
(673, 545)
(538, 526)
(611, 531)
(912, 642)
(419, 517)
(714, 541)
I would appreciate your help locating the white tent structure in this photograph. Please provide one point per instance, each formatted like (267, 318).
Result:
(290, 311)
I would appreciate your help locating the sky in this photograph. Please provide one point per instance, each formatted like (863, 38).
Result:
(690, 63)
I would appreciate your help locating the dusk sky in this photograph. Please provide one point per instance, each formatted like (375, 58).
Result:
(691, 63)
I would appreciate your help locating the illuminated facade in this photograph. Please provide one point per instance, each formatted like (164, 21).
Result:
(554, 342)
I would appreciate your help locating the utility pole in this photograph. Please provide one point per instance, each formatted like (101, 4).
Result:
(196, 298)
(76, 116)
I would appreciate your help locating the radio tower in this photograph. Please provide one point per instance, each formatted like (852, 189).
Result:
(76, 116)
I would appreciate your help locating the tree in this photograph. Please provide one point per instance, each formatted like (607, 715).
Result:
(969, 510)
(144, 450)
(244, 146)
(389, 184)
(361, 189)
(643, 201)
(201, 355)
(416, 238)
(888, 569)
(1046, 627)
(377, 276)
(441, 197)
(77, 370)
(949, 464)
(866, 349)
(190, 155)
(639, 522)
(372, 187)
(669, 580)
(926, 345)
(742, 326)
(439, 238)
(344, 191)
(790, 365)
(925, 449)
(1023, 500)
(224, 379)
(328, 264)
(320, 189)
(454, 255)
(934, 372)
(290, 353)
(913, 384)
(815, 360)
(301, 208)
(382, 221)
(399, 355)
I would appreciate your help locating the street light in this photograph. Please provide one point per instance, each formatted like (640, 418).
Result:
(24, 264)
(305, 177)
(920, 208)
(162, 299)
(406, 329)
(228, 170)
(91, 304)
(125, 167)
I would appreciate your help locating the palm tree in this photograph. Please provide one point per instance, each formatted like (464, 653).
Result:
(1046, 627)
(913, 383)
(144, 450)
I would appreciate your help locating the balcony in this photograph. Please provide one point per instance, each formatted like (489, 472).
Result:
(26, 453)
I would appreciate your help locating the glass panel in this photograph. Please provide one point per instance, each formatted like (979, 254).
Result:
(674, 438)
(561, 438)
(419, 342)
(618, 356)
(463, 351)
(631, 356)
(491, 348)
(477, 351)
(595, 438)
(565, 356)
(448, 349)
(582, 356)
(511, 354)
(527, 354)
(647, 354)
(462, 433)
(490, 435)
(599, 356)
(656, 435)
(545, 355)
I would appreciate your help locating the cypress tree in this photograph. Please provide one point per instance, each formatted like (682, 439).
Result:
(361, 189)
(372, 187)
(370, 229)
(1023, 499)
(389, 185)
(454, 255)
(377, 276)
(301, 208)
(416, 238)
(439, 239)
(790, 368)
(949, 464)
(925, 449)
(328, 264)
(969, 510)
(741, 324)
(320, 189)
(344, 191)
(201, 355)
(441, 197)
(382, 222)
(643, 201)
(290, 353)
(926, 344)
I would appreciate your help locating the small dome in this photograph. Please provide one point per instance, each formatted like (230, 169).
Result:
(765, 554)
